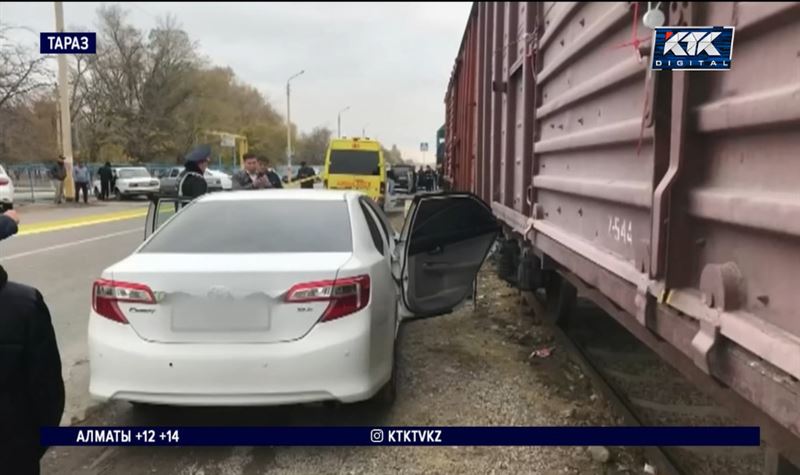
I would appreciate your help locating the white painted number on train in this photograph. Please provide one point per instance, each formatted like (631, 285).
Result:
(620, 229)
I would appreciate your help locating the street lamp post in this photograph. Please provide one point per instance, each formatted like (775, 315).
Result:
(289, 124)
(364, 131)
(339, 121)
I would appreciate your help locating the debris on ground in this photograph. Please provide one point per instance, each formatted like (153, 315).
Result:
(542, 352)
(600, 454)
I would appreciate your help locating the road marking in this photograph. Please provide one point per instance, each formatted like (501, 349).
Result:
(73, 243)
(49, 226)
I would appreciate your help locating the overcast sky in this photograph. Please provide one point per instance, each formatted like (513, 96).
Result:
(390, 62)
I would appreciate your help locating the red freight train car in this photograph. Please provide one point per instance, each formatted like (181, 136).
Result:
(670, 197)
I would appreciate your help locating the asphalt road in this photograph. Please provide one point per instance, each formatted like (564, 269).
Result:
(470, 368)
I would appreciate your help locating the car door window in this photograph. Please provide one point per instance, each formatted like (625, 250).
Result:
(388, 230)
(174, 173)
(378, 238)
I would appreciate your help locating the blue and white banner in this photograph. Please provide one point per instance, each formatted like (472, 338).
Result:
(693, 48)
(369, 436)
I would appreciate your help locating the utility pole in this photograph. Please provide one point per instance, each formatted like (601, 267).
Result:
(364, 131)
(66, 123)
(289, 125)
(339, 121)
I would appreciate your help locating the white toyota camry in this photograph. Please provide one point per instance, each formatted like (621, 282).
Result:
(278, 296)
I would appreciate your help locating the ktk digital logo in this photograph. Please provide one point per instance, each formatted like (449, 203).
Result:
(692, 48)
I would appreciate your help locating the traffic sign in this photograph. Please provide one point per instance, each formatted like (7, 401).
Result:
(228, 141)
(423, 147)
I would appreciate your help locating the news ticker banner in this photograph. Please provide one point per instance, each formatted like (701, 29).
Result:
(370, 436)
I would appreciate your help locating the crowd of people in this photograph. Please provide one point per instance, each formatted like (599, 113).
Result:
(82, 178)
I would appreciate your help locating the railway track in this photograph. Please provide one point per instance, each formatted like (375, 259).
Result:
(643, 388)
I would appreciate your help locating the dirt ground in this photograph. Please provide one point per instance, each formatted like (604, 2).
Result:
(471, 368)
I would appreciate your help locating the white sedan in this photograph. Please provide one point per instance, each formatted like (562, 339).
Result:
(6, 191)
(278, 296)
(225, 180)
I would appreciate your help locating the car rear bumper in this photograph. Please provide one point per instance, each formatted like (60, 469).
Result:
(140, 190)
(332, 362)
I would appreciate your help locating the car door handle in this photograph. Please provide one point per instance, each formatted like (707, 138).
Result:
(435, 251)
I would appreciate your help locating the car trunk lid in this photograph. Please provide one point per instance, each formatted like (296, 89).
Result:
(230, 298)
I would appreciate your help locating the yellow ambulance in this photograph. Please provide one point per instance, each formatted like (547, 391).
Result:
(356, 163)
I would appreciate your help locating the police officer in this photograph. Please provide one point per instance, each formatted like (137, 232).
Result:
(305, 173)
(31, 386)
(191, 181)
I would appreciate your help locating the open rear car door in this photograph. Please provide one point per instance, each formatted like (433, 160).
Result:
(161, 210)
(445, 239)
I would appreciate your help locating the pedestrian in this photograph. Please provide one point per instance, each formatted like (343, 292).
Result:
(391, 178)
(191, 181)
(106, 175)
(430, 179)
(305, 173)
(31, 385)
(272, 175)
(250, 177)
(58, 173)
(82, 177)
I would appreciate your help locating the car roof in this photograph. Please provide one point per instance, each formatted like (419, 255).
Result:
(283, 194)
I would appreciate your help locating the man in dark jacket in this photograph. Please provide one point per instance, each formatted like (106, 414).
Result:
(191, 181)
(31, 386)
(58, 174)
(273, 177)
(106, 174)
(305, 172)
(250, 177)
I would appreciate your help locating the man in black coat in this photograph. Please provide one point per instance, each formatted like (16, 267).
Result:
(305, 172)
(192, 182)
(31, 386)
(106, 174)
(273, 177)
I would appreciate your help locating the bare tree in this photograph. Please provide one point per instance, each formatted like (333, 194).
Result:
(21, 71)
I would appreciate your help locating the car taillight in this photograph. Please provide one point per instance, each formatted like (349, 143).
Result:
(346, 296)
(106, 295)
(4, 181)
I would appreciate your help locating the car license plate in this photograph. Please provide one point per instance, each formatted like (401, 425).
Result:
(231, 316)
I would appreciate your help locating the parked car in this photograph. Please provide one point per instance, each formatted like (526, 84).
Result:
(169, 181)
(6, 191)
(219, 306)
(405, 179)
(130, 182)
(226, 181)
